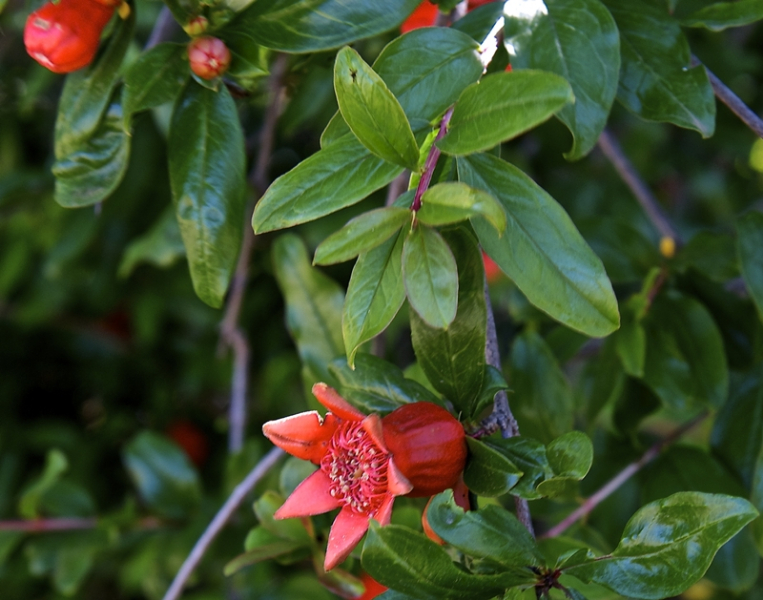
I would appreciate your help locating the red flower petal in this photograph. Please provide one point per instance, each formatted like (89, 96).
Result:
(397, 483)
(347, 530)
(305, 435)
(373, 427)
(311, 497)
(384, 512)
(331, 399)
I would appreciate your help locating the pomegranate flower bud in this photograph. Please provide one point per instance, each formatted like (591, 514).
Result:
(209, 57)
(365, 461)
(64, 37)
(196, 26)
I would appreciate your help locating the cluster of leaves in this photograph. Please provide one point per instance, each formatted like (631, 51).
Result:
(582, 260)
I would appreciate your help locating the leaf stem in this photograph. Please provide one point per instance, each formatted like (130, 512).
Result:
(627, 172)
(221, 518)
(730, 99)
(231, 334)
(431, 162)
(613, 484)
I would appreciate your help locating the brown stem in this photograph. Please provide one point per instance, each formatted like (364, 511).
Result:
(431, 162)
(613, 484)
(502, 418)
(730, 99)
(231, 334)
(221, 518)
(630, 176)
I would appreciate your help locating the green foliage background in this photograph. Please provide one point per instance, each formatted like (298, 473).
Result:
(105, 343)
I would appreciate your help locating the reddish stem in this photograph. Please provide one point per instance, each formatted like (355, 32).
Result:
(431, 162)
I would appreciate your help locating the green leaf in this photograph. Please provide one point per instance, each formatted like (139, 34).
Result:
(710, 253)
(453, 359)
(430, 276)
(161, 245)
(488, 472)
(451, 202)
(335, 177)
(372, 112)
(411, 563)
(479, 21)
(155, 78)
(722, 15)
(375, 294)
(529, 456)
(668, 544)
(500, 107)
(55, 466)
(313, 25)
(207, 161)
(289, 529)
(268, 547)
(95, 166)
(377, 386)
(685, 360)
(490, 533)
(493, 383)
(542, 402)
(541, 238)
(313, 306)
(750, 237)
(630, 343)
(656, 82)
(361, 234)
(570, 457)
(578, 40)
(87, 92)
(165, 478)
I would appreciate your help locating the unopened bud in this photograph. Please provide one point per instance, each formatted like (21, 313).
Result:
(209, 57)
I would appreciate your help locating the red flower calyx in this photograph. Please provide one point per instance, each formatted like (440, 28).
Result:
(209, 57)
(418, 449)
(64, 37)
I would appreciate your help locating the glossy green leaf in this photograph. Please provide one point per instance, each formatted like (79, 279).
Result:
(207, 162)
(570, 457)
(56, 465)
(501, 106)
(451, 202)
(313, 305)
(668, 544)
(155, 78)
(163, 475)
(542, 402)
(375, 294)
(363, 233)
(480, 20)
(377, 386)
(249, 62)
(685, 360)
(94, 167)
(656, 82)
(267, 546)
(299, 26)
(493, 382)
(430, 277)
(722, 15)
(490, 533)
(578, 40)
(411, 563)
(161, 245)
(750, 237)
(488, 472)
(453, 359)
(529, 456)
(333, 178)
(372, 112)
(541, 239)
(88, 92)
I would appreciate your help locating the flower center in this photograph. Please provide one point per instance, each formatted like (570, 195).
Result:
(357, 468)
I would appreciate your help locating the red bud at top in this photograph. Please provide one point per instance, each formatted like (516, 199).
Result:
(209, 57)
(196, 26)
(64, 37)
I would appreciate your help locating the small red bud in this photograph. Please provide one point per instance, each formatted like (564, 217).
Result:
(209, 57)
(64, 37)
(428, 445)
(196, 26)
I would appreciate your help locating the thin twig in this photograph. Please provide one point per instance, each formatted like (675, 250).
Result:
(221, 518)
(231, 334)
(431, 162)
(164, 29)
(502, 418)
(730, 99)
(612, 485)
(612, 150)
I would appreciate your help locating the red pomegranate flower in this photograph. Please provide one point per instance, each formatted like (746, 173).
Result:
(424, 15)
(64, 37)
(209, 57)
(418, 449)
